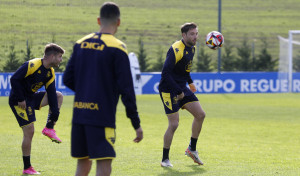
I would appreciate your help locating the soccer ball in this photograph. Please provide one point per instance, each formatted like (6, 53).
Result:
(214, 40)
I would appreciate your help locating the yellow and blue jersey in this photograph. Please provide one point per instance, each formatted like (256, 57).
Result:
(177, 67)
(29, 78)
(99, 72)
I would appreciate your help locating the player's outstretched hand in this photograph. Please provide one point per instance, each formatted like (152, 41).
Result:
(192, 87)
(139, 135)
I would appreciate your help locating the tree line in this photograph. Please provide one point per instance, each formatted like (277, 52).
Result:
(239, 58)
(245, 60)
(14, 61)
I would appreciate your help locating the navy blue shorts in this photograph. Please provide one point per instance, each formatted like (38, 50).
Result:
(92, 142)
(27, 116)
(170, 103)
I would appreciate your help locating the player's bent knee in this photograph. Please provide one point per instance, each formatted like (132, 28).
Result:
(200, 116)
(203, 115)
(173, 126)
(59, 96)
(29, 134)
(28, 131)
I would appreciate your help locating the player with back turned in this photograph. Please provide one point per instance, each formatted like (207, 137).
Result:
(99, 72)
(175, 94)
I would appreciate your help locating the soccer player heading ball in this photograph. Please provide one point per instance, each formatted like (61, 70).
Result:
(175, 94)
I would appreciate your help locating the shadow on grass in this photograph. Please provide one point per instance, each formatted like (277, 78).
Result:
(197, 170)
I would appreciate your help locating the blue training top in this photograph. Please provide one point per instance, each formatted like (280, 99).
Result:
(29, 78)
(176, 70)
(99, 72)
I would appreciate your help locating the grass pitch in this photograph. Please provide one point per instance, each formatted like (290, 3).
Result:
(243, 134)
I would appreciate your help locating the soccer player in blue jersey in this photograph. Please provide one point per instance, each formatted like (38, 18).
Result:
(99, 72)
(175, 94)
(24, 97)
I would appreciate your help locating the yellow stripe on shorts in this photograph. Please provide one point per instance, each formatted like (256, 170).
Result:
(21, 112)
(167, 99)
(110, 135)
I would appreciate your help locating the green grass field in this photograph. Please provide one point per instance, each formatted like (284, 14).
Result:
(243, 134)
(158, 21)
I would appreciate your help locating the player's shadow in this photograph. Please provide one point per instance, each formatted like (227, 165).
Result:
(197, 170)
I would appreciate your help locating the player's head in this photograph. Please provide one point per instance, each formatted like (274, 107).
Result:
(54, 53)
(53, 48)
(189, 33)
(109, 15)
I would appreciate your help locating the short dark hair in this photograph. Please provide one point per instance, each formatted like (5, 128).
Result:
(53, 48)
(109, 12)
(188, 26)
